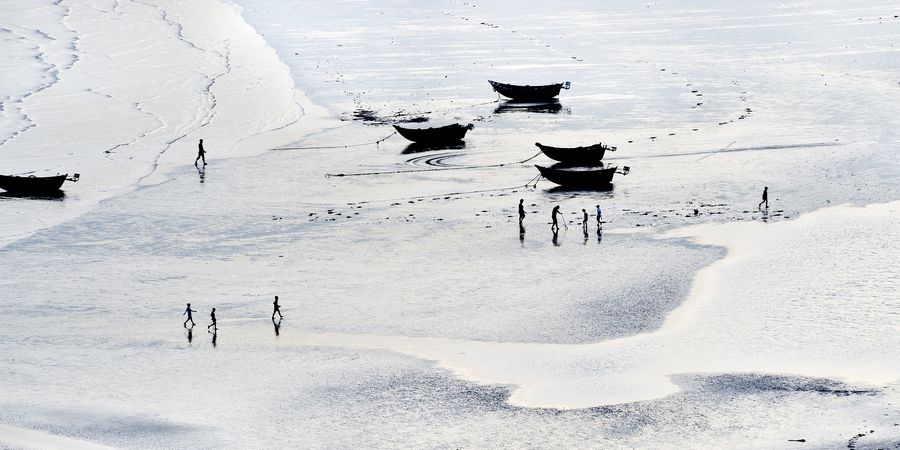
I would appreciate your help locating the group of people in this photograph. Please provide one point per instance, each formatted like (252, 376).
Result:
(276, 309)
(555, 212)
(584, 221)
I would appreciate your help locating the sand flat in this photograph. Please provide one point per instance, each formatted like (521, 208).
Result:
(417, 312)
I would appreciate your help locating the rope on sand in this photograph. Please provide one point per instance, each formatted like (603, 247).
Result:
(391, 172)
(446, 110)
(446, 194)
(323, 147)
(337, 146)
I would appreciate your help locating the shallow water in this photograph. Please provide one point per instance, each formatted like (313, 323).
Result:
(418, 314)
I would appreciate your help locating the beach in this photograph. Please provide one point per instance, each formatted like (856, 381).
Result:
(418, 312)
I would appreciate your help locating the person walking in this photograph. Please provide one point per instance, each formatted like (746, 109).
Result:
(599, 215)
(201, 154)
(765, 198)
(553, 214)
(188, 311)
(212, 315)
(584, 219)
(521, 210)
(277, 309)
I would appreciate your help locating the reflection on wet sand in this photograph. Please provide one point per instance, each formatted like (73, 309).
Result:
(565, 189)
(418, 147)
(55, 196)
(513, 106)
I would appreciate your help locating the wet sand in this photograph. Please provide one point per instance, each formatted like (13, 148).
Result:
(418, 314)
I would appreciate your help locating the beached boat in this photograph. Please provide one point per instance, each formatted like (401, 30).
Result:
(576, 155)
(529, 93)
(32, 185)
(436, 135)
(581, 177)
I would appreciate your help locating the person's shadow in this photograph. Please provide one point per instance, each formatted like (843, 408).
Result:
(201, 170)
(599, 234)
(555, 237)
(277, 326)
(215, 334)
(521, 233)
(190, 334)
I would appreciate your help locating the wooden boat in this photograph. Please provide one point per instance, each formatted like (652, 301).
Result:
(576, 155)
(529, 93)
(32, 185)
(581, 177)
(436, 135)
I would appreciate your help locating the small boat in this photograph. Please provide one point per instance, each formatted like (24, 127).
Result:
(32, 185)
(576, 155)
(436, 135)
(529, 93)
(581, 177)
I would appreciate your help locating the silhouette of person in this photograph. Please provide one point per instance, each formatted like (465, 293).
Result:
(599, 215)
(212, 315)
(765, 198)
(188, 311)
(521, 211)
(277, 309)
(584, 219)
(553, 214)
(201, 154)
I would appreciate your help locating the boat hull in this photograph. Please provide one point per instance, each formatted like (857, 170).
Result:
(31, 185)
(527, 93)
(435, 136)
(583, 179)
(574, 155)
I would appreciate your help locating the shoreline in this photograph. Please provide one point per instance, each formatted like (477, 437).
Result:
(612, 381)
(239, 113)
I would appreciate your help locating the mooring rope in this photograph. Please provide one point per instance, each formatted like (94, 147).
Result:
(337, 146)
(445, 110)
(446, 194)
(434, 169)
